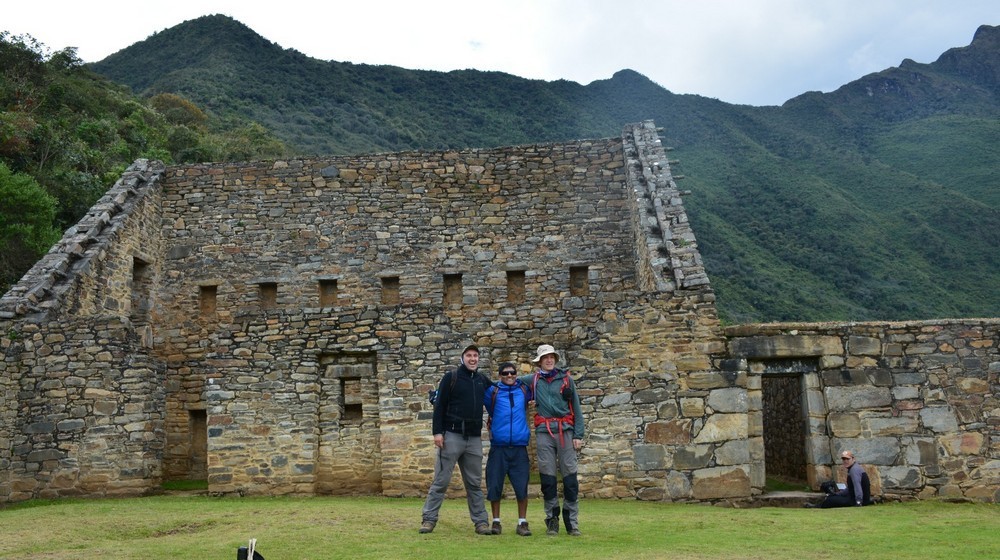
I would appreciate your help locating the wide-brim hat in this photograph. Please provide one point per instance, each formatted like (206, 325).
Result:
(545, 350)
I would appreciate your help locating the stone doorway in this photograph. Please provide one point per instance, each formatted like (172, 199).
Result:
(198, 451)
(784, 428)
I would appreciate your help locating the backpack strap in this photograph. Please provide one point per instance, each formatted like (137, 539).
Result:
(494, 390)
(493, 398)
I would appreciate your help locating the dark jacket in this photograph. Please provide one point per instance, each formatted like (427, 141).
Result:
(459, 405)
(508, 407)
(858, 482)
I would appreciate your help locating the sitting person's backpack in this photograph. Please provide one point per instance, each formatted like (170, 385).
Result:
(829, 487)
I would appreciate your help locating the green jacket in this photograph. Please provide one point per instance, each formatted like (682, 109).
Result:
(550, 404)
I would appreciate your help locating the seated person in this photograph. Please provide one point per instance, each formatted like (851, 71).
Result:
(858, 491)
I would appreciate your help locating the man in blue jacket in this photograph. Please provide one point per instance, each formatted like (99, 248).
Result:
(507, 402)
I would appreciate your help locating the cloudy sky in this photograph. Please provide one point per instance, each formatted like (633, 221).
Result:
(756, 52)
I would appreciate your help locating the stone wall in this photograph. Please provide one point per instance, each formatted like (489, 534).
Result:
(274, 327)
(81, 398)
(510, 248)
(918, 403)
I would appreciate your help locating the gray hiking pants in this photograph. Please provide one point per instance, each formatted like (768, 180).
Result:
(467, 452)
(558, 455)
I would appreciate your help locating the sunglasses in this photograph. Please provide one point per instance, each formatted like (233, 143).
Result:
(845, 458)
(507, 373)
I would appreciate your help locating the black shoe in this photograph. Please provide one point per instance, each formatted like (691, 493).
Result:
(809, 505)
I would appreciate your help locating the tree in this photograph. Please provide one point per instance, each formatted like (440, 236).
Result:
(26, 216)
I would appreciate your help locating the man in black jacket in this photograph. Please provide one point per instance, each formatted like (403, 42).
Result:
(458, 437)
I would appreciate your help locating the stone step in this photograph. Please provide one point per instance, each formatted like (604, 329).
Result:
(788, 499)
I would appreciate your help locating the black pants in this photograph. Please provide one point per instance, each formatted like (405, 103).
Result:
(836, 500)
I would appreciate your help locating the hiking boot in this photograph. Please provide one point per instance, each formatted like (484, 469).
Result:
(483, 529)
(427, 527)
(523, 530)
(551, 525)
(570, 525)
(497, 528)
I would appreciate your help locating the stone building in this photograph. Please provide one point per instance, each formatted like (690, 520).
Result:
(274, 327)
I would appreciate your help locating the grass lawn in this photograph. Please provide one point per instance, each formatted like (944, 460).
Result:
(200, 527)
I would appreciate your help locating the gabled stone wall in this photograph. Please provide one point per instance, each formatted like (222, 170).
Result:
(81, 396)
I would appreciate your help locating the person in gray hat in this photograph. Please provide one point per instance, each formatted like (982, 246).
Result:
(458, 437)
(559, 435)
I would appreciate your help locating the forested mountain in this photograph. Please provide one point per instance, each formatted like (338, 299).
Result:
(880, 200)
(66, 135)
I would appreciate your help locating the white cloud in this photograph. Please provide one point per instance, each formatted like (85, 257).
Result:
(740, 51)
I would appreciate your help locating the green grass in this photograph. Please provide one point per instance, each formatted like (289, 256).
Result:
(184, 485)
(321, 528)
(777, 484)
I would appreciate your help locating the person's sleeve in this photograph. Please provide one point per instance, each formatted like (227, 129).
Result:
(856, 483)
(440, 405)
(578, 423)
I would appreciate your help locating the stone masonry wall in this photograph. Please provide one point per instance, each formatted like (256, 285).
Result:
(81, 401)
(413, 218)
(918, 403)
(276, 370)
(274, 327)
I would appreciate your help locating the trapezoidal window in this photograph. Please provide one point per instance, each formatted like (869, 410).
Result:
(390, 290)
(207, 299)
(268, 292)
(327, 293)
(515, 286)
(141, 288)
(350, 389)
(348, 383)
(452, 289)
(579, 283)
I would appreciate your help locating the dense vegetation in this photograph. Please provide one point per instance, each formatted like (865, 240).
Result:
(66, 135)
(876, 201)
